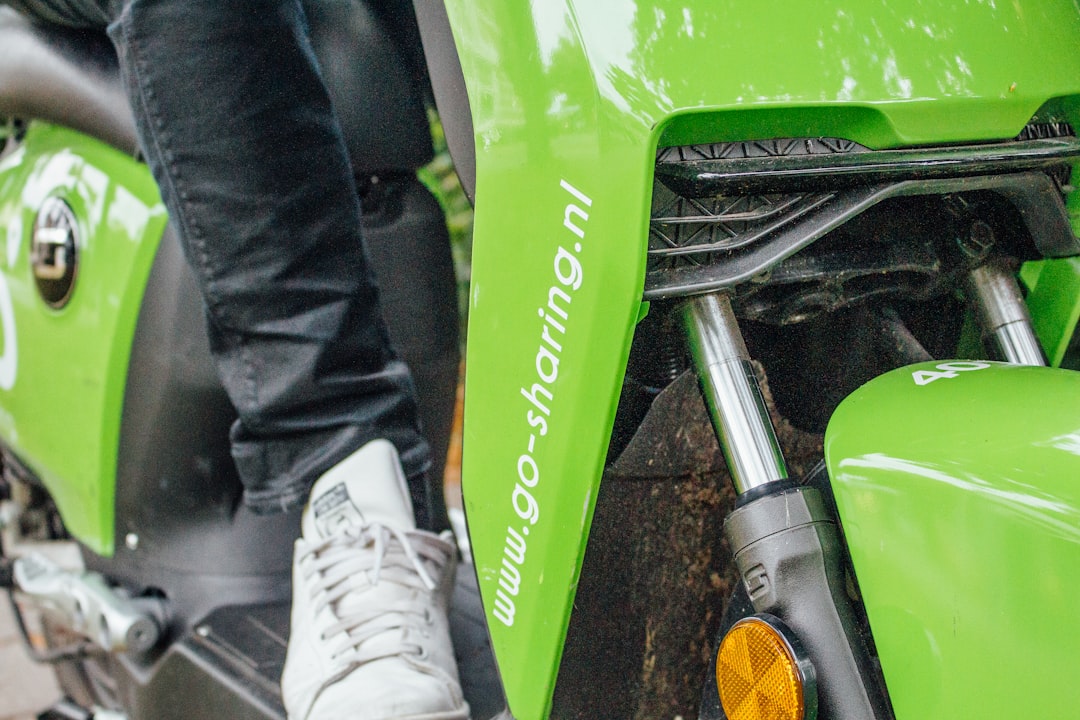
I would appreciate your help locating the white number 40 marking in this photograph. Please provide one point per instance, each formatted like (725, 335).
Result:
(946, 370)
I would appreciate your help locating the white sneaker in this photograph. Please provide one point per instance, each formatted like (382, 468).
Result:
(369, 638)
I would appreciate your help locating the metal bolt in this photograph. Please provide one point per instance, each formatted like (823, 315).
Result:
(9, 512)
(131, 541)
(203, 631)
(977, 243)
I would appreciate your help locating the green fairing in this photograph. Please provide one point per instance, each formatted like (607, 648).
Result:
(1054, 294)
(1054, 301)
(61, 411)
(583, 92)
(961, 508)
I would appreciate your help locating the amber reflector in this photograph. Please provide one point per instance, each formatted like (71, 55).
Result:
(757, 674)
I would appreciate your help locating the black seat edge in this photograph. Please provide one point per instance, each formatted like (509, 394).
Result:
(71, 77)
(65, 76)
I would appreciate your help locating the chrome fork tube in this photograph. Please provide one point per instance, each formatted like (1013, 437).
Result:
(995, 297)
(732, 394)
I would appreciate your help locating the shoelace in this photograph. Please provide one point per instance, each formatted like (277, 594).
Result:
(355, 561)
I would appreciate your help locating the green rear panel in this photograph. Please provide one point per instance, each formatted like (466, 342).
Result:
(62, 372)
(960, 502)
(569, 102)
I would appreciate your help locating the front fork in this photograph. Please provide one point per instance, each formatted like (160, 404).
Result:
(786, 546)
(785, 541)
(994, 297)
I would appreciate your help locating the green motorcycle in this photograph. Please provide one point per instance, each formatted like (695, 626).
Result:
(733, 446)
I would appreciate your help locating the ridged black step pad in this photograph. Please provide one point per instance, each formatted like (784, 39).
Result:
(250, 641)
(229, 665)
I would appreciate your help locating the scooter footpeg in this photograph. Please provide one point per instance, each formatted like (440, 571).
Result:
(85, 604)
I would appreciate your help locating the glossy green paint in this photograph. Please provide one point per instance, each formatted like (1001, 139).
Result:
(60, 412)
(1053, 295)
(961, 508)
(583, 92)
(1054, 301)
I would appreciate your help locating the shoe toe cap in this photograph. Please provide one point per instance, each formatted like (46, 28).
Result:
(391, 690)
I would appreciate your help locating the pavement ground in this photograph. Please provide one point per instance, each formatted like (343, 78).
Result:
(26, 688)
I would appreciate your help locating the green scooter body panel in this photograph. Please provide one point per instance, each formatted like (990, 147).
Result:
(63, 372)
(960, 503)
(569, 102)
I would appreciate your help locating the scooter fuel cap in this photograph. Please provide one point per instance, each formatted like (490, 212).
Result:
(54, 252)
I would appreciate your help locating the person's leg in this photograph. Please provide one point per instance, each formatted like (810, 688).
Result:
(240, 135)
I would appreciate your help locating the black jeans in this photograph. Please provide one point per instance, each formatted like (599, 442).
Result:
(238, 130)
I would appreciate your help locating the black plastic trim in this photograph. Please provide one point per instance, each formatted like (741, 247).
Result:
(1033, 193)
(377, 96)
(448, 85)
(788, 173)
(228, 666)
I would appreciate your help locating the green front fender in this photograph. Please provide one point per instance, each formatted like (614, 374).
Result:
(958, 487)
